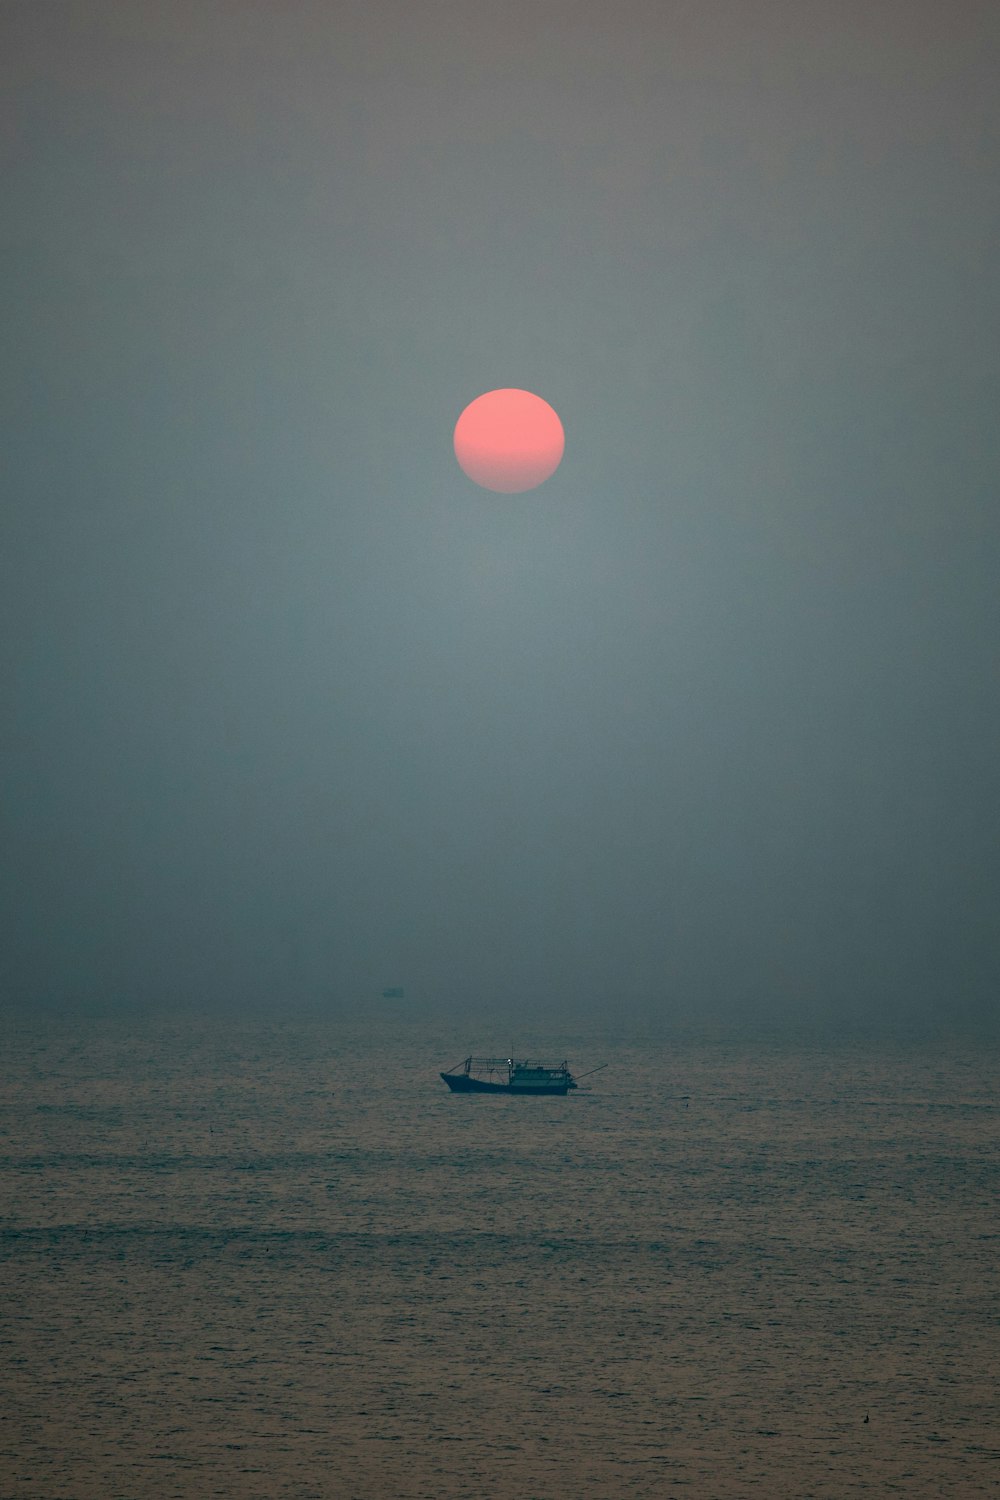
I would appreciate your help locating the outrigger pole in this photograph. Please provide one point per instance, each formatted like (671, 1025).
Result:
(591, 1071)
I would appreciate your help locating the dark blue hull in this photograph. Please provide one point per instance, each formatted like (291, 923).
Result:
(461, 1083)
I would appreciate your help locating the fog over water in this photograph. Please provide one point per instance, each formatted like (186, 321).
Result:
(706, 729)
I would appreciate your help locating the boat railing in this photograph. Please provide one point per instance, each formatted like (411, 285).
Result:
(473, 1066)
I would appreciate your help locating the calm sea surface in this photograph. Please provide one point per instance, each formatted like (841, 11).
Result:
(274, 1261)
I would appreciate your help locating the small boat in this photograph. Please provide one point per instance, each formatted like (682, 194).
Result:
(505, 1075)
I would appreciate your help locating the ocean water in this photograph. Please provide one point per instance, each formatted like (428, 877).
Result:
(282, 1260)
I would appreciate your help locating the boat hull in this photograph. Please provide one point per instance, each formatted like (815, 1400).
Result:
(461, 1083)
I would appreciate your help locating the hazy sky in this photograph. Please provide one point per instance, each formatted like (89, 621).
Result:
(709, 725)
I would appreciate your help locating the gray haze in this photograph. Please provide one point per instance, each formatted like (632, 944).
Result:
(706, 727)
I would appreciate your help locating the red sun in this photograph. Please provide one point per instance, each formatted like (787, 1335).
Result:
(509, 441)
